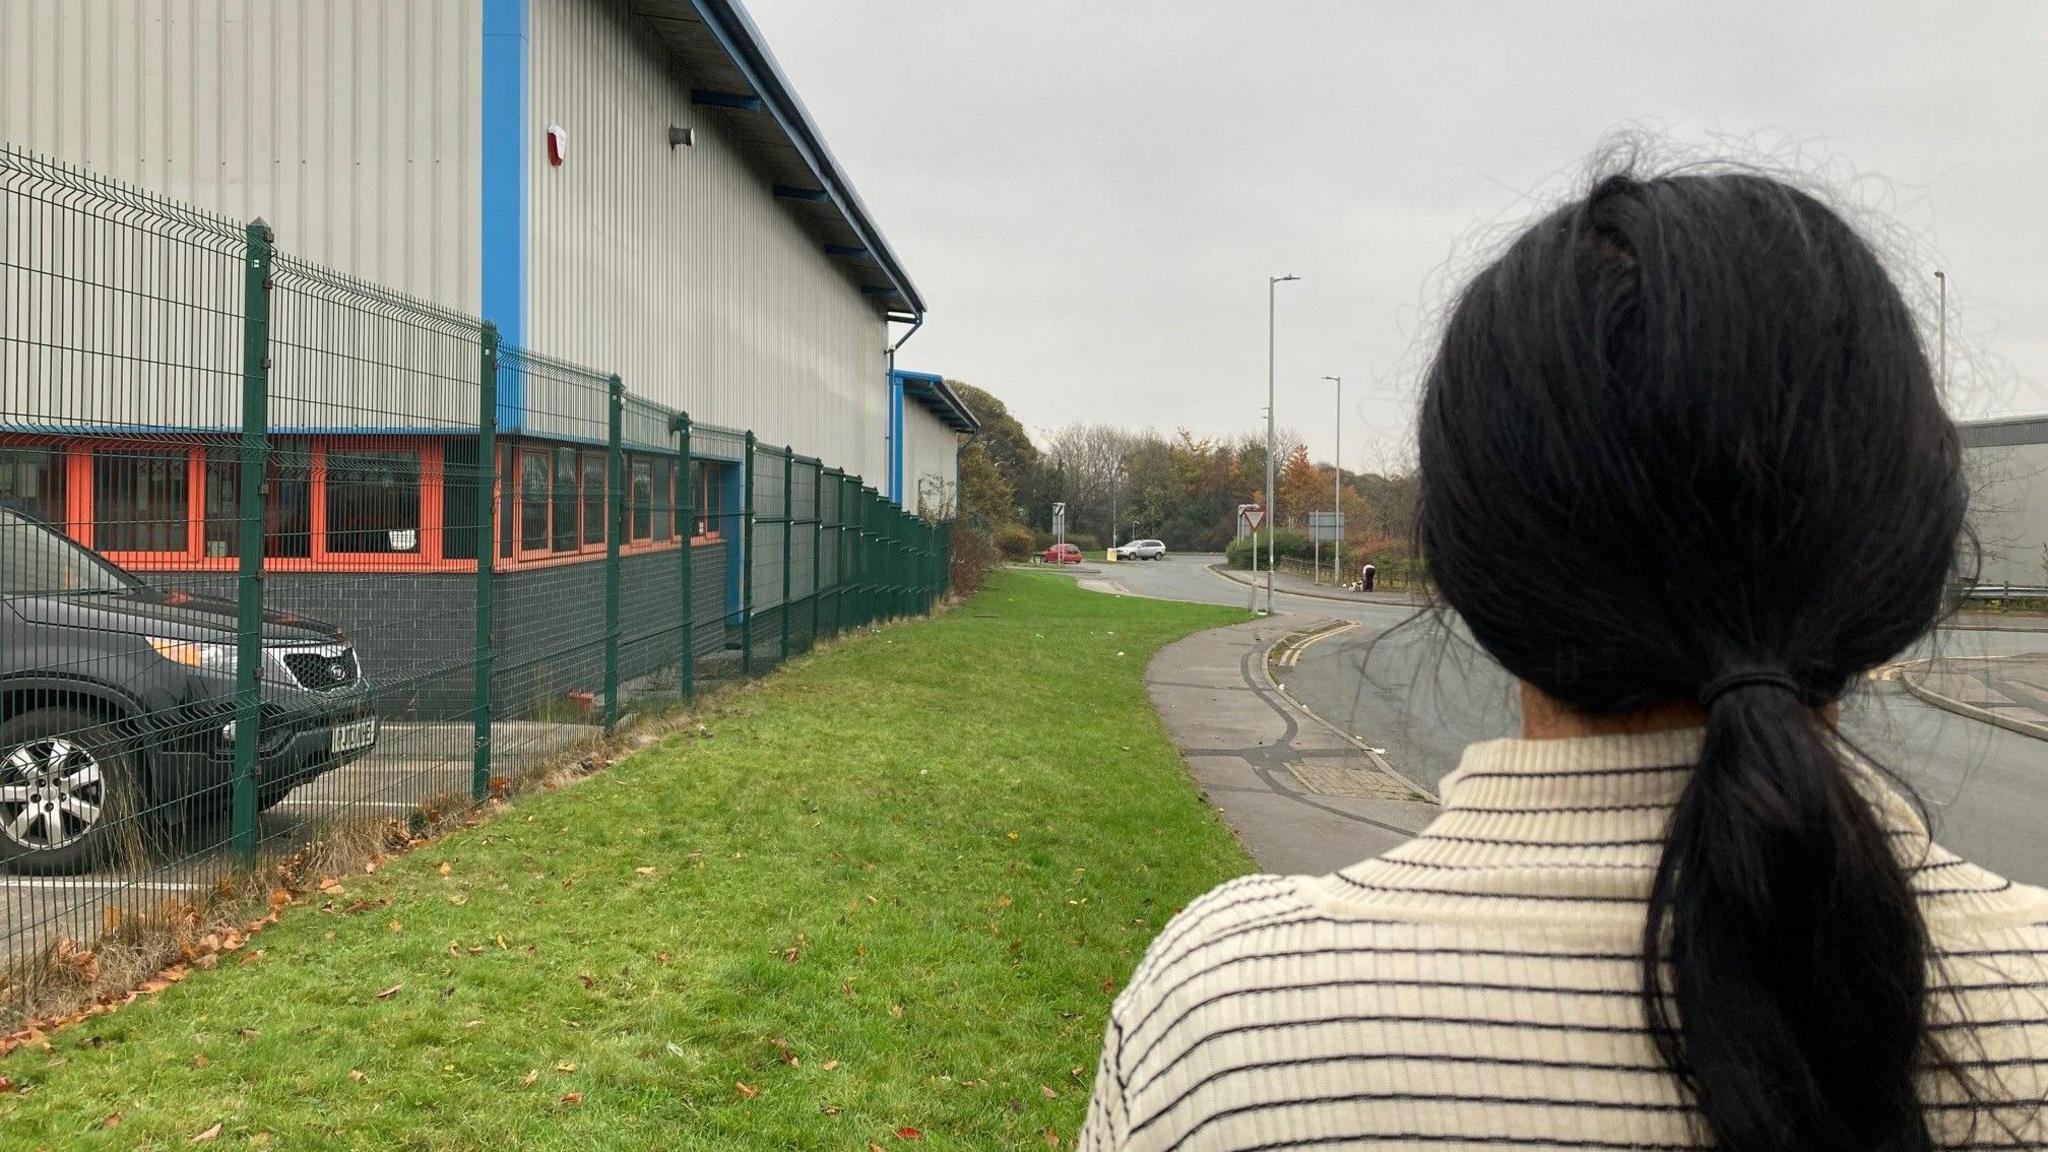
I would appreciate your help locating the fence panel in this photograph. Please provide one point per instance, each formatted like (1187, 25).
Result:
(282, 548)
(122, 334)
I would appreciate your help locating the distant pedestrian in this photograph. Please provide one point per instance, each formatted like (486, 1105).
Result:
(1682, 911)
(1366, 575)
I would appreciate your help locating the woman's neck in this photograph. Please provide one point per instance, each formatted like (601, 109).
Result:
(1543, 718)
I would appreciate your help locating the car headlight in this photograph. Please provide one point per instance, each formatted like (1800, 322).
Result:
(193, 654)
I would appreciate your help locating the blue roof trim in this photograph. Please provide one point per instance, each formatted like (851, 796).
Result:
(932, 392)
(748, 50)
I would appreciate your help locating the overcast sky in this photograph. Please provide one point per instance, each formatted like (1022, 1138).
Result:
(1091, 193)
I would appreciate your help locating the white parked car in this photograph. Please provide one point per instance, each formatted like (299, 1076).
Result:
(1142, 550)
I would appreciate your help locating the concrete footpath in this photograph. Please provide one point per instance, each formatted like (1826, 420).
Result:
(2009, 691)
(1302, 796)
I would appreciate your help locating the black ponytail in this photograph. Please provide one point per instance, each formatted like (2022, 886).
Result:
(1681, 444)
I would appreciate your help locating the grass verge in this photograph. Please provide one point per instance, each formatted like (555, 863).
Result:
(884, 897)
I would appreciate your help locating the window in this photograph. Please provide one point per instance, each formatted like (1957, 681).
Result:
(508, 499)
(707, 496)
(662, 482)
(139, 498)
(534, 470)
(565, 500)
(287, 507)
(373, 501)
(593, 498)
(32, 481)
(462, 508)
(641, 492)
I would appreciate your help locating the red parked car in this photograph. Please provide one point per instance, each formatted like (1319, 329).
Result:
(1061, 554)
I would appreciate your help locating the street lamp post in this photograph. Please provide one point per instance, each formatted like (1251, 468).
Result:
(1337, 543)
(1272, 282)
(1941, 277)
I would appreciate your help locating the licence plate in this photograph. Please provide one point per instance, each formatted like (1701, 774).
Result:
(349, 737)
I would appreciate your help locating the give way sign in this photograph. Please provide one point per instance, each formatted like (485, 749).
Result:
(1252, 515)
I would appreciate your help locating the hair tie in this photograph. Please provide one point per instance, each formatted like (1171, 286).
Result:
(1747, 678)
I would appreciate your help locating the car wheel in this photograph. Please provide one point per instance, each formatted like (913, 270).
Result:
(67, 791)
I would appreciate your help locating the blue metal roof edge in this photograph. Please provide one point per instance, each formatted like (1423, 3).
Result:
(934, 394)
(744, 44)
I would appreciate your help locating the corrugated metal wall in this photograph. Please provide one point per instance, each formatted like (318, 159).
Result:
(674, 267)
(930, 462)
(350, 125)
(2009, 511)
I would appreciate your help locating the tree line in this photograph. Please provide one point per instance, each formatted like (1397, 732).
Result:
(1121, 485)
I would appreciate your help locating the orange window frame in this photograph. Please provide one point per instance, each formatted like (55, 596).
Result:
(705, 511)
(432, 460)
(80, 505)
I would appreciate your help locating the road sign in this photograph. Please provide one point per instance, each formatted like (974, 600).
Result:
(1325, 527)
(1252, 516)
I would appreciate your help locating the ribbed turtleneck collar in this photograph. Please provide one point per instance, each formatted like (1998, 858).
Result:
(1625, 773)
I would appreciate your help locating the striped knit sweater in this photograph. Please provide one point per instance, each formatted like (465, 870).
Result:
(1475, 988)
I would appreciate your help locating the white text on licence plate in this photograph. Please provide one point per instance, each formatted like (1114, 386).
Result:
(349, 737)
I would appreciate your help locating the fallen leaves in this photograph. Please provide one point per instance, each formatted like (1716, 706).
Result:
(212, 1133)
(1047, 1091)
(358, 1075)
(645, 871)
(908, 1133)
(445, 868)
(745, 1089)
(388, 993)
(112, 1121)
(829, 1065)
(531, 1078)
(1052, 1137)
(572, 1098)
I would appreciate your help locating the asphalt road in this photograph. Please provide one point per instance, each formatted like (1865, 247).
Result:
(1420, 692)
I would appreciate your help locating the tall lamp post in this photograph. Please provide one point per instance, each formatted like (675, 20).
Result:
(1942, 364)
(1272, 282)
(1337, 543)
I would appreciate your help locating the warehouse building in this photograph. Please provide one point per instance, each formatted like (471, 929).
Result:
(627, 184)
(2007, 462)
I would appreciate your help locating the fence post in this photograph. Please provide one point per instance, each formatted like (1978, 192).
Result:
(615, 523)
(249, 581)
(486, 552)
(817, 545)
(685, 513)
(788, 536)
(747, 566)
(855, 511)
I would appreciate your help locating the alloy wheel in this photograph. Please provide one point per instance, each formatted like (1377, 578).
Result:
(52, 792)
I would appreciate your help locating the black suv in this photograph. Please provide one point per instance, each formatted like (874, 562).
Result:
(117, 700)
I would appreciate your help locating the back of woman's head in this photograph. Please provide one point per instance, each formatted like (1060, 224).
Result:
(1681, 443)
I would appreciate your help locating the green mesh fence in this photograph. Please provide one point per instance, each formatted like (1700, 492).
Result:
(280, 548)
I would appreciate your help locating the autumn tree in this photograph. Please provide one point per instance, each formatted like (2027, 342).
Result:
(1301, 489)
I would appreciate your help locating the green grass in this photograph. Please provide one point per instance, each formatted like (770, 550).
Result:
(930, 855)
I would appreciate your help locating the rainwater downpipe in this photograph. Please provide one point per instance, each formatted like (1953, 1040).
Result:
(894, 471)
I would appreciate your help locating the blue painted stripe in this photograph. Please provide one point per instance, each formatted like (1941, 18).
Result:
(502, 197)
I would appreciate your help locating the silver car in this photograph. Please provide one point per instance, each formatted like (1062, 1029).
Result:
(1142, 550)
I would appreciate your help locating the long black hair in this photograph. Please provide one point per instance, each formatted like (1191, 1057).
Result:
(1681, 443)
